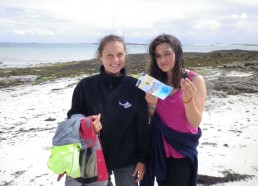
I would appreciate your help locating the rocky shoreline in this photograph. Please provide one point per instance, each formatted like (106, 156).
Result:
(239, 60)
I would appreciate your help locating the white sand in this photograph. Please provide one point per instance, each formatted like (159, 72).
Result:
(26, 136)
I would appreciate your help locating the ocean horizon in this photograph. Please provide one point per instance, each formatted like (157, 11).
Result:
(30, 54)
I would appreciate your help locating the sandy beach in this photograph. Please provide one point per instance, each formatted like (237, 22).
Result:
(30, 114)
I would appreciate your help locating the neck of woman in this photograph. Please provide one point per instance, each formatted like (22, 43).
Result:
(169, 78)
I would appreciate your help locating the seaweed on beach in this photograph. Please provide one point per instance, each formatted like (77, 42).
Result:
(136, 63)
(229, 176)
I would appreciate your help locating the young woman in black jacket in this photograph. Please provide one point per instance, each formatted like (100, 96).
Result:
(120, 112)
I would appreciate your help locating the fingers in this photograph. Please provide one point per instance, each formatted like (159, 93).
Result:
(95, 117)
(134, 172)
(148, 94)
(139, 177)
(139, 171)
(152, 100)
(188, 88)
(187, 84)
(96, 123)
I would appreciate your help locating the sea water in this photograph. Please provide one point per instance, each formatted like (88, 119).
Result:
(29, 54)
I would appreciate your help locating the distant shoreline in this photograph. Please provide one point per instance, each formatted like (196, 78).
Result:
(31, 54)
(41, 62)
(136, 63)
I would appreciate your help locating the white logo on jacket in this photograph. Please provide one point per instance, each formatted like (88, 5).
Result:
(126, 104)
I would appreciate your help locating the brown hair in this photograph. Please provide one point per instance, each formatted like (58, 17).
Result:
(107, 39)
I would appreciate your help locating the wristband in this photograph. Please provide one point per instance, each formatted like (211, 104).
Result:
(188, 100)
(151, 108)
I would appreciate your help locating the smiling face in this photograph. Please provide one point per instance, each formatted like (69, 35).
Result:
(113, 57)
(165, 57)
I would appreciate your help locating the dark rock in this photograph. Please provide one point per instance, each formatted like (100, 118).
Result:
(251, 63)
(229, 176)
(50, 119)
(234, 85)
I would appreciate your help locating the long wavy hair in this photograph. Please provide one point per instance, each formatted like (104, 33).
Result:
(178, 70)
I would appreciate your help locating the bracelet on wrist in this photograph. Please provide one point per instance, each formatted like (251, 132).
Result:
(151, 108)
(188, 101)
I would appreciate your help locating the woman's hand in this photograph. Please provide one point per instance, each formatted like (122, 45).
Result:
(188, 90)
(96, 123)
(139, 171)
(151, 100)
(193, 96)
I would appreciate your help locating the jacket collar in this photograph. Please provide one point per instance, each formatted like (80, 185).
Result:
(110, 78)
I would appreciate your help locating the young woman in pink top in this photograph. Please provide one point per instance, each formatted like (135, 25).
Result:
(182, 110)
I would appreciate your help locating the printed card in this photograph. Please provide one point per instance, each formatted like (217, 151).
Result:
(148, 83)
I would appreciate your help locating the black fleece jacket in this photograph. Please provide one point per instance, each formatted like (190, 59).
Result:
(124, 116)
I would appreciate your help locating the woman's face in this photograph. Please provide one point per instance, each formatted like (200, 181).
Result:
(113, 57)
(165, 57)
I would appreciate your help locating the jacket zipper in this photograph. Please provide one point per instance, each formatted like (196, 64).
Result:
(108, 115)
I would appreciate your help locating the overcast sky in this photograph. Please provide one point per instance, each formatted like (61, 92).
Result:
(198, 21)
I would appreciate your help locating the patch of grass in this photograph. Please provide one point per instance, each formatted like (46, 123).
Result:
(42, 79)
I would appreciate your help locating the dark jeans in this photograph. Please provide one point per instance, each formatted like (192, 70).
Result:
(123, 176)
(179, 172)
